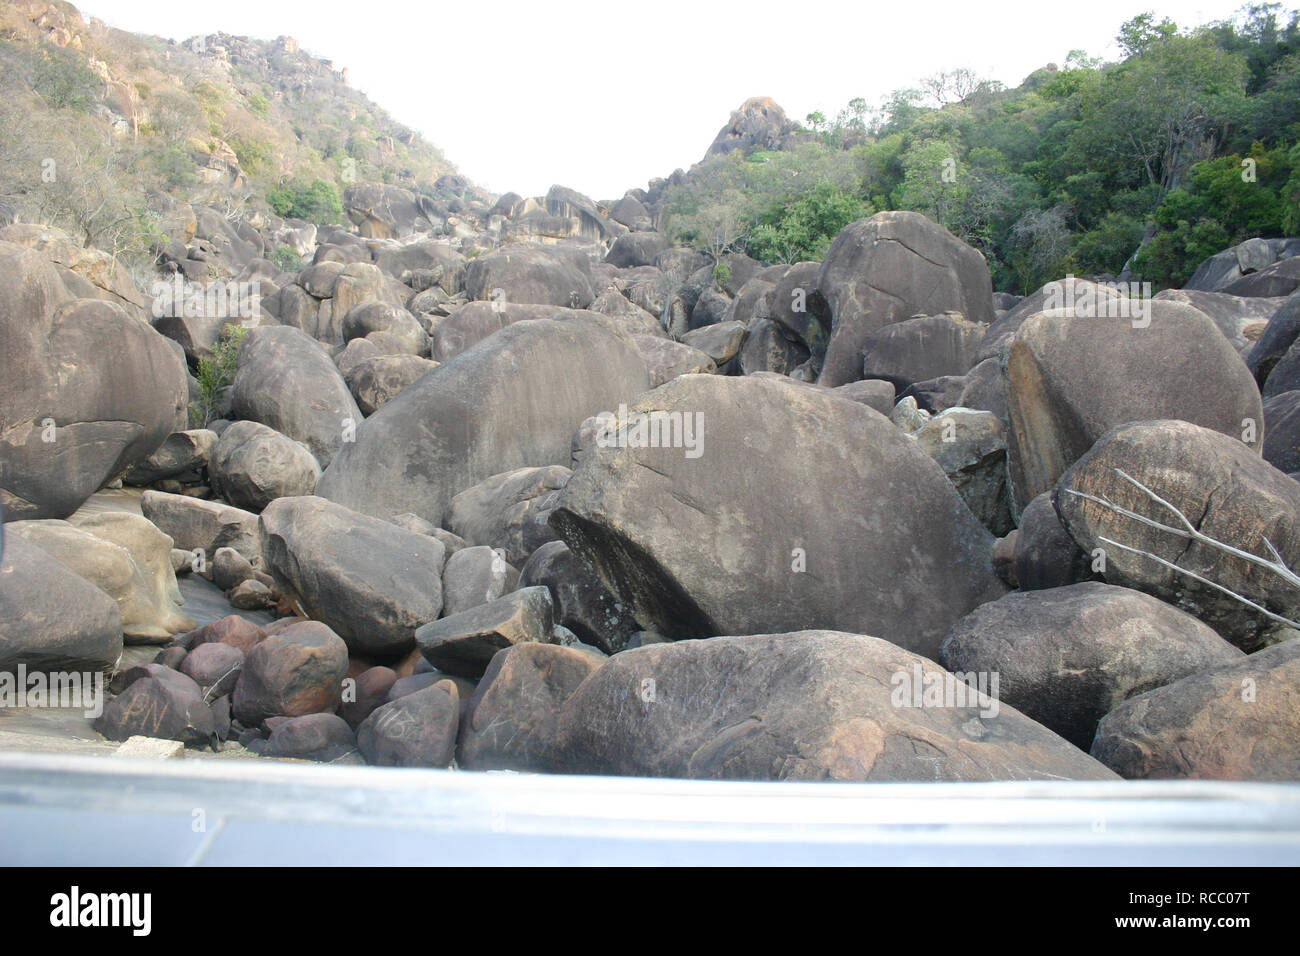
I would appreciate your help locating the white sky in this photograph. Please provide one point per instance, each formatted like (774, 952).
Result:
(602, 95)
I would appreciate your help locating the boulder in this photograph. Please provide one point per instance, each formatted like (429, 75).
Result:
(52, 619)
(416, 730)
(376, 381)
(1068, 656)
(74, 415)
(378, 316)
(287, 382)
(808, 705)
(325, 738)
(463, 644)
(833, 496)
(636, 249)
(295, 671)
(179, 453)
(891, 267)
(1275, 340)
(160, 703)
(769, 349)
(1072, 377)
(971, 448)
(197, 525)
(1223, 487)
(509, 511)
(720, 342)
(371, 581)
(528, 274)
(666, 359)
(1045, 555)
(369, 692)
(474, 576)
(253, 465)
(874, 393)
(1237, 721)
(925, 347)
(511, 721)
(215, 667)
(512, 401)
(124, 556)
(1282, 431)
(582, 602)
(1239, 318)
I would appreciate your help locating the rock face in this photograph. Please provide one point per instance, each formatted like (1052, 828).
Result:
(840, 520)
(253, 465)
(463, 644)
(51, 618)
(809, 705)
(1234, 722)
(1224, 489)
(888, 268)
(293, 672)
(127, 558)
(287, 381)
(1072, 377)
(72, 414)
(1068, 656)
(528, 274)
(511, 721)
(512, 401)
(372, 582)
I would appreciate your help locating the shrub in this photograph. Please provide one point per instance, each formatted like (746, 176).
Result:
(216, 375)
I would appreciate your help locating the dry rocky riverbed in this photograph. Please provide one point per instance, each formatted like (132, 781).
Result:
(529, 488)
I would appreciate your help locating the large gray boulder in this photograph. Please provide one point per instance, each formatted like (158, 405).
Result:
(512, 401)
(74, 413)
(1072, 377)
(808, 705)
(1223, 488)
(803, 508)
(253, 465)
(371, 581)
(194, 524)
(891, 267)
(1068, 656)
(287, 382)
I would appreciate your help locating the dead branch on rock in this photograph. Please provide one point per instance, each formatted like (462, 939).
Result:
(1188, 530)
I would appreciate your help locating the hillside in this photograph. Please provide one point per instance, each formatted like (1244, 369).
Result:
(105, 131)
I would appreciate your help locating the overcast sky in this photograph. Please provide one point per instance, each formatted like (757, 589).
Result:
(603, 95)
